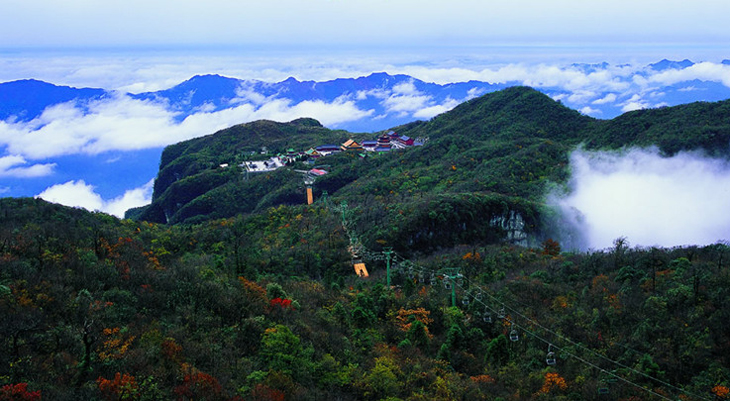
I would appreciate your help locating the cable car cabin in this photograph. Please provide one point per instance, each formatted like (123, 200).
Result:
(514, 335)
(487, 317)
(604, 383)
(360, 269)
(550, 359)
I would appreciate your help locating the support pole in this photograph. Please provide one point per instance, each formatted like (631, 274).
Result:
(452, 274)
(387, 252)
(453, 292)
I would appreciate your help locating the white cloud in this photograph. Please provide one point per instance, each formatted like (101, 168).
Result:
(14, 166)
(609, 98)
(705, 71)
(132, 198)
(205, 108)
(123, 123)
(633, 106)
(690, 88)
(80, 194)
(587, 110)
(649, 199)
(248, 95)
(329, 114)
(74, 193)
(581, 96)
(552, 75)
(405, 104)
(634, 103)
(474, 92)
(405, 99)
(406, 89)
(428, 112)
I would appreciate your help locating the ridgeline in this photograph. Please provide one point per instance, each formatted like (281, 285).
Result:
(486, 160)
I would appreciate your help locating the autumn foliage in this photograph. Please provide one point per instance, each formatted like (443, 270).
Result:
(552, 382)
(262, 392)
(721, 392)
(18, 392)
(280, 303)
(121, 387)
(198, 385)
(115, 344)
(405, 318)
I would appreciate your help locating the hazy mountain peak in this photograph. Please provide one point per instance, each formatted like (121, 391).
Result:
(670, 64)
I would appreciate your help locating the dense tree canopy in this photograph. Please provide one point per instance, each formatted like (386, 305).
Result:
(247, 293)
(267, 306)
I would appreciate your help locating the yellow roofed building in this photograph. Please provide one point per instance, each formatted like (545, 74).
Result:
(351, 145)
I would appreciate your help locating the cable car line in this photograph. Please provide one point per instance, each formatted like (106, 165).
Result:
(412, 268)
(536, 323)
(583, 360)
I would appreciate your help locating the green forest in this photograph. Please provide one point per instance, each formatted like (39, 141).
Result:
(227, 288)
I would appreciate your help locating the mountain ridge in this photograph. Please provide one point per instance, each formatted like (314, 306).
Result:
(503, 148)
(378, 92)
(26, 99)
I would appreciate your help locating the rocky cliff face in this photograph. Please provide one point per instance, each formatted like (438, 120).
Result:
(514, 226)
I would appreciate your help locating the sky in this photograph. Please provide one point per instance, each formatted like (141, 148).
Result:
(142, 45)
(419, 23)
(136, 46)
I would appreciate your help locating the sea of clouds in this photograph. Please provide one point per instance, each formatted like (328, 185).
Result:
(649, 199)
(636, 194)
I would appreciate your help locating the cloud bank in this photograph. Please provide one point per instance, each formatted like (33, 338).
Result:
(649, 199)
(123, 123)
(16, 167)
(81, 194)
(29, 150)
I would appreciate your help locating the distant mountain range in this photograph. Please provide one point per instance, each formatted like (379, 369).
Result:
(386, 100)
(108, 144)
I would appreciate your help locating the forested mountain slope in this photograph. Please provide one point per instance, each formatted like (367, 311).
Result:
(482, 171)
(253, 295)
(267, 306)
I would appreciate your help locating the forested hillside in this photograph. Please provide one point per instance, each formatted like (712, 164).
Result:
(229, 287)
(487, 159)
(267, 307)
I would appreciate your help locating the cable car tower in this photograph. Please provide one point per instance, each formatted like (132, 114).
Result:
(356, 249)
(309, 183)
(452, 278)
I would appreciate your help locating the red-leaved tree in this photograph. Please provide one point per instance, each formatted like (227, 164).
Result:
(18, 392)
